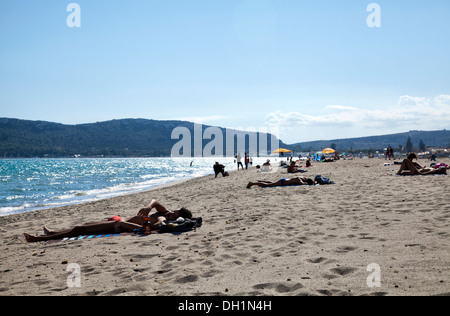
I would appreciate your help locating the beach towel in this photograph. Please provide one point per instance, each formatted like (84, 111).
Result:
(170, 227)
(88, 237)
(292, 185)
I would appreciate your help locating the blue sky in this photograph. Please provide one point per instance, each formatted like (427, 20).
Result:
(312, 68)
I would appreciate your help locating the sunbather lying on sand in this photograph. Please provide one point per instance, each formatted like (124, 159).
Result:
(115, 224)
(282, 183)
(293, 168)
(411, 168)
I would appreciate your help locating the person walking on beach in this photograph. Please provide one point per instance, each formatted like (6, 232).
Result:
(239, 161)
(115, 225)
(246, 161)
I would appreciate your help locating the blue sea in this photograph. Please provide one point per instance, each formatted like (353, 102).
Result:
(32, 184)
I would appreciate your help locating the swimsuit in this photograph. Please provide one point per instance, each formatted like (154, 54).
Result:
(283, 181)
(115, 218)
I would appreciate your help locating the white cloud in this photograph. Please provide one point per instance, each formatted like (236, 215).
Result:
(293, 119)
(203, 119)
(407, 100)
(409, 113)
(341, 108)
(442, 100)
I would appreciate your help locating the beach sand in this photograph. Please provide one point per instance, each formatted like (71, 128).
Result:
(300, 240)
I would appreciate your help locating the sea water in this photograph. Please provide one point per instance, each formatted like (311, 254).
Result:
(32, 184)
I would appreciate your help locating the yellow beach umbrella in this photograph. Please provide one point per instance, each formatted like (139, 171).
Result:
(281, 150)
(329, 151)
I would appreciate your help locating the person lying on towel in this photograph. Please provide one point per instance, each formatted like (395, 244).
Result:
(293, 168)
(282, 183)
(116, 225)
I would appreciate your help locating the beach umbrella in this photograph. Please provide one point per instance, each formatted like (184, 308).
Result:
(329, 151)
(281, 151)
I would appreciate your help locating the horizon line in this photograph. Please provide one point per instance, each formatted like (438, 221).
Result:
(190, 122)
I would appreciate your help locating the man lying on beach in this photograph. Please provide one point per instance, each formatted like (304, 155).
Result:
(293, 168)
(411, 168)
(115, 225)
(282, 183)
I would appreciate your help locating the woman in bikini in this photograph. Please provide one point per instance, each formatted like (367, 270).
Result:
(116, 224)
(411, 168)
(282, 183)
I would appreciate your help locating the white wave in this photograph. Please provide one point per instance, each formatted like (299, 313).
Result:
(113, 177)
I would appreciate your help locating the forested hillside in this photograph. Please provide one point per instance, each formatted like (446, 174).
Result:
(117, 138)
(151, 138)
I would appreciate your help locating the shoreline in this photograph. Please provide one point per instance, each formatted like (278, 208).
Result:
(93, 199)
(277, 241)
(54, 198)
(162, 186)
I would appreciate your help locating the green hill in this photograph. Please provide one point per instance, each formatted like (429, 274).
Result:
(430, 138)
(151, 138)
(117, 138)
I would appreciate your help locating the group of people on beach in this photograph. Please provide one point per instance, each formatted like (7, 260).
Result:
(247, 160)
(162, 216)
(220, 169)
(389, 153)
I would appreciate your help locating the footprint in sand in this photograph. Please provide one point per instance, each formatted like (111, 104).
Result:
(345, 249)
(332, 292)
(281, 288)
(343, 271)
(317, 260)
(187, 279)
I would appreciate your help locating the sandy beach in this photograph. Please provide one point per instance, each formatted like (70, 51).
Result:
(316, 240)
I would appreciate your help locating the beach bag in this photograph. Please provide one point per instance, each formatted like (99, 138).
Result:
(181, 226)
(322, 180)
(176, 226)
